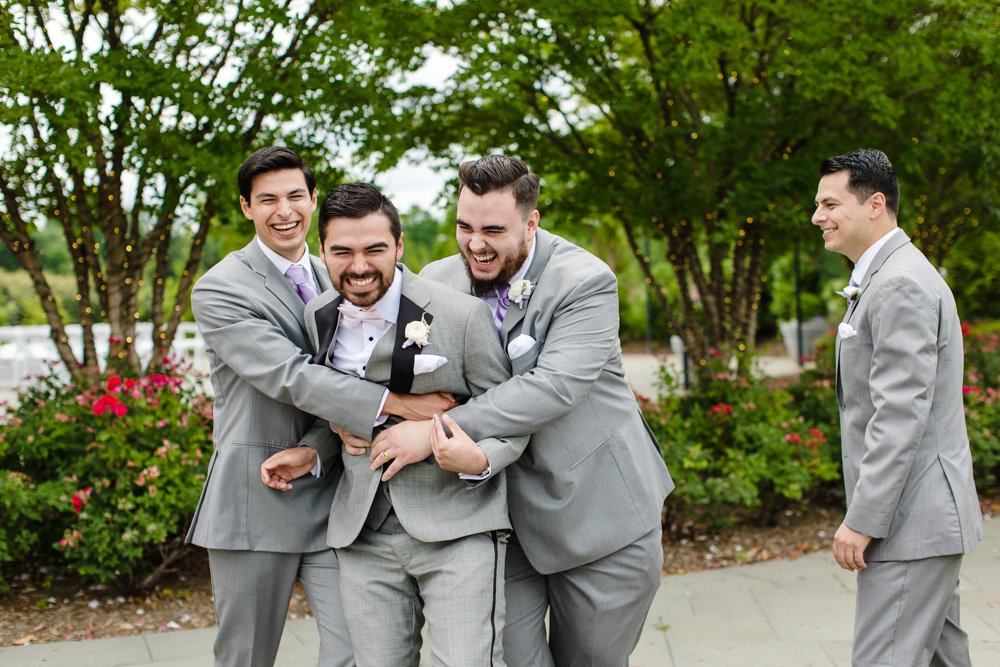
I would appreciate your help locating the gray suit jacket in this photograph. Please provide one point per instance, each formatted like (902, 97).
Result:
(592, 479)
(907, 464)
(266, 393)
(432, 504)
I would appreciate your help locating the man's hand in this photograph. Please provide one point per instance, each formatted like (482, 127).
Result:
(402, 444)
(849, 548)
(418, 407)
(457, 453)
(280, 469)
(353, 445)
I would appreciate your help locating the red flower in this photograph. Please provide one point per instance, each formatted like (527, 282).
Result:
(720, 409)
(80, 499)
(966, 329)
(794, 438)
(113, 383)
(158, 380)
(970, 390)
(109, 402)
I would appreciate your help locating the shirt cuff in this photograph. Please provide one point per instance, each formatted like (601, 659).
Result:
(317, 470)
(381, 418)
(477, 478)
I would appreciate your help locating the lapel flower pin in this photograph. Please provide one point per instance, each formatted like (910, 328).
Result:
(417, 333)
(519, 292)
(850, 292)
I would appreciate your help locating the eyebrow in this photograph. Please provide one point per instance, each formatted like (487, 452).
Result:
(374, 246)
(296, 191)
(486, 228)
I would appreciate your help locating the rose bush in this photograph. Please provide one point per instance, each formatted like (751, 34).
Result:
(738, 450)
(104, 475)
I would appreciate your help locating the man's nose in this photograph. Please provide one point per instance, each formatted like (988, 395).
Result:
(818, 216)
(284, 207)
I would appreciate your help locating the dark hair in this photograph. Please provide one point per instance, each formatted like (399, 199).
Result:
(272, 158)
(870, 172)
(357, 200)
(494, 173)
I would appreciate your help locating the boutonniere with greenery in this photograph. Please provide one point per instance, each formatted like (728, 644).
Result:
(417, 333)
(850, 292)
(519, 292)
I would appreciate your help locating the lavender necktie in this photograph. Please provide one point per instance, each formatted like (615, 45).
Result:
(300, 280)
(503, 303)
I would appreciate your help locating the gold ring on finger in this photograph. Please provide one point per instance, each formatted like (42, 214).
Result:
(385, 455)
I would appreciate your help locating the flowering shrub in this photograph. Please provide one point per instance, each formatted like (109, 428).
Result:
(738, 450)
(982, 402)
(103, 476)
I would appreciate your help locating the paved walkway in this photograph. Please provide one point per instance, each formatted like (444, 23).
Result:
(783, 613)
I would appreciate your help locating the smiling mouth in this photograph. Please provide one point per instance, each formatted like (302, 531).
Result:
(361, 282)
(484, 258)
(285, 226)
(828, 231)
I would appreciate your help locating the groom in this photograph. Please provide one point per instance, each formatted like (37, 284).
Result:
(912, 510)
(431, 541)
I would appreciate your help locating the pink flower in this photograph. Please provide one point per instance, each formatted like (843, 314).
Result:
(794, 438)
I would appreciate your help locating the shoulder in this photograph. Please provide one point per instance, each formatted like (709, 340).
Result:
(573, 271)
(442, 269)
(441, 293)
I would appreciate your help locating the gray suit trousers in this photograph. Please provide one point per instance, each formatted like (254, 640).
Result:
(596, 610)
(252, 590)
(393, 582)
(907, 615)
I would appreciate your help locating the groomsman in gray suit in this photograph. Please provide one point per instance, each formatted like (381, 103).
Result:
(586, 496)
(912, 510)
(249, 309)
(430, 542)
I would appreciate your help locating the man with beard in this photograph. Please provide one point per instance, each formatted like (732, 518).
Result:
(430, 541)
(587, 494)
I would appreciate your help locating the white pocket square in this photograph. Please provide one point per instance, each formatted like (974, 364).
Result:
(519, 346)
(426, 363)
(845, 330)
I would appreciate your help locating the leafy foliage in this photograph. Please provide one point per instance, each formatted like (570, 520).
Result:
(739, 450)
(701, 125)
(124, 125)
(103, 477)
(982, 403)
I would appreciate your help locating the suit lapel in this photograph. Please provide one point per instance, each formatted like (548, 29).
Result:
(274, 282)
(327, 318)
(515, 313)
(892, 245)
(412, 308)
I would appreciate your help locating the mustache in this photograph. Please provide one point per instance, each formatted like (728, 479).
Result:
(360, 276)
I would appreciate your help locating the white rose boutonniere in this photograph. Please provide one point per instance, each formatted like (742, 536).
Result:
(417, 333)
(850, 292)
(519, 292)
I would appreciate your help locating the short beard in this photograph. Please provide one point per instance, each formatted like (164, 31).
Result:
(370, 298)
(507, 270)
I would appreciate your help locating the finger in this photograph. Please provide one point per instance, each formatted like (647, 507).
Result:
(453, 425)
(355, 451)
(391, 470)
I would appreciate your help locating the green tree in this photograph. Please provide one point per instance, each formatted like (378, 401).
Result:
(124, 124)
(702, 123)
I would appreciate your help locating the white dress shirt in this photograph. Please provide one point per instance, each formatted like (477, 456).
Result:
(353, 345)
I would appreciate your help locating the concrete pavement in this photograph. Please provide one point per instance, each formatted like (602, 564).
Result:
(782, 613)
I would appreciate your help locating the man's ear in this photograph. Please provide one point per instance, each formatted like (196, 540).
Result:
(245, 206)
(876, 204)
